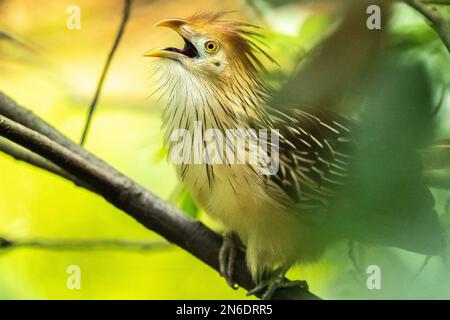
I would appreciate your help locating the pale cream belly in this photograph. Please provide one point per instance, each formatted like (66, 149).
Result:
(273, 235)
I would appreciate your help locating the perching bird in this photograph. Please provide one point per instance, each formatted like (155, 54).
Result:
(284, 217)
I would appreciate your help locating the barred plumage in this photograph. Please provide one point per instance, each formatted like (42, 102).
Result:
(315, 151)
(281, 218)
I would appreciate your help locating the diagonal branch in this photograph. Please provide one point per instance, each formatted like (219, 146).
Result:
(21, 154)
(437, 2)
(152, 212)
(19, 114)
(101, 80)
(437, 22)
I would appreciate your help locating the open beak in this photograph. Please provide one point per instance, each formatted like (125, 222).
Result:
(189, 49)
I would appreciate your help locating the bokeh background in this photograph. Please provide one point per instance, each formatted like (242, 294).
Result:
(53, 71)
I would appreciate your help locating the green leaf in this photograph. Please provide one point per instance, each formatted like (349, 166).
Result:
(183, 200)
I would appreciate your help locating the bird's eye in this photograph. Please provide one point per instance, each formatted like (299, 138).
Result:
(211, 46)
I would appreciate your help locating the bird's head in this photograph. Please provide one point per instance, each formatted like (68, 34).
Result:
(214, 49)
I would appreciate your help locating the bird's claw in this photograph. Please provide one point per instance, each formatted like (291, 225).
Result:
(269, 286)
(227, 257)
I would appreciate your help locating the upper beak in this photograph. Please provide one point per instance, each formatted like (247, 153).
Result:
(174, 24)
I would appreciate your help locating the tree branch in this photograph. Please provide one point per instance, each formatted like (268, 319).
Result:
(152, 212)
(82, 244)
(123, 23)
(437, 2)
(19, 114)
(21, 154)
(437, 22)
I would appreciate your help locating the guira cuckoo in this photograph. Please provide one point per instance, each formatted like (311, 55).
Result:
(284, 218)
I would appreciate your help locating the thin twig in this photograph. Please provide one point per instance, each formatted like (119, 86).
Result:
(437, 22)
(11, 38)
(123, 23)
(437, 2)
(82, 244)
(27, 118)
(146, 208)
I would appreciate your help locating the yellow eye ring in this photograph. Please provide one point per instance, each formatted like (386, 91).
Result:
(211, 46)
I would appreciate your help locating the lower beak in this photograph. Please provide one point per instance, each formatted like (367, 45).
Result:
(159, 53)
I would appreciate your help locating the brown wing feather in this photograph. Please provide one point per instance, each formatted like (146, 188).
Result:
(316, 149)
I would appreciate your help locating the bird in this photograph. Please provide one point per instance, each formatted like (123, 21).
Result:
(288, 215)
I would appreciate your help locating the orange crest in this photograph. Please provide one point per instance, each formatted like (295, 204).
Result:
(237, 37)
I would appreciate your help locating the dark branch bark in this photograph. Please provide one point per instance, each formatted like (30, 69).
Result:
(21, 154)
(125, 194)
(19, 114)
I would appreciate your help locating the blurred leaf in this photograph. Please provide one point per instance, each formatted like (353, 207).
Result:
(387, 202)
(182, 199)
(411, 35)
(339, 65)
(313, 28)
(161, 154)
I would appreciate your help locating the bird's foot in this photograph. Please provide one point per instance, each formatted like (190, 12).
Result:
(277, 281)
(227, 257)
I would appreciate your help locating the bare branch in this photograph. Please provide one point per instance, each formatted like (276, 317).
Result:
(125, 194)
(437, 2)
(82, 244)
(437, 22)
(101, 80)
(6, 36)
(19, 114)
